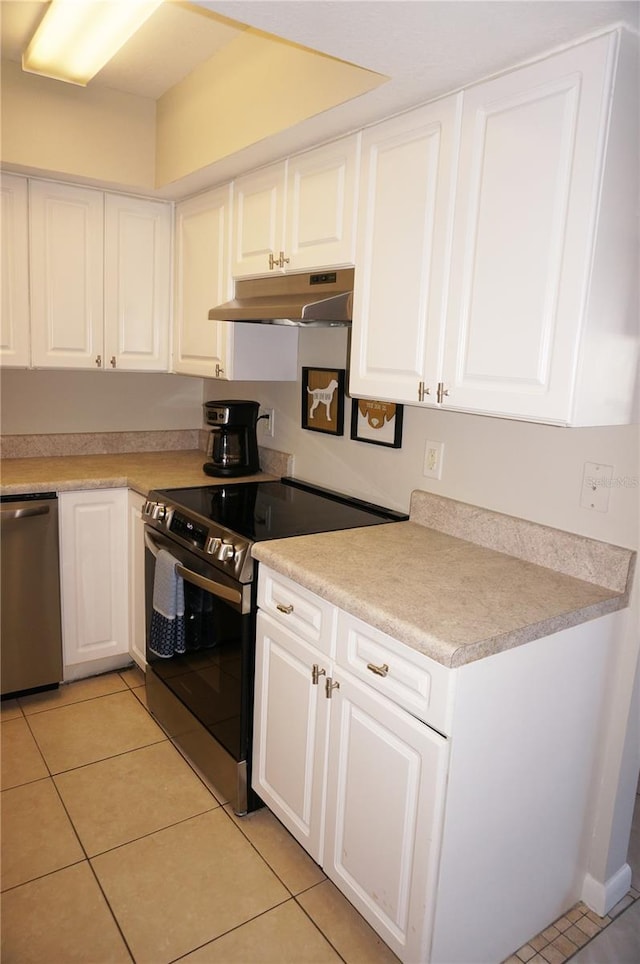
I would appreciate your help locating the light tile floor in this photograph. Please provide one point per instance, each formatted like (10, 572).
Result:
(114, 850)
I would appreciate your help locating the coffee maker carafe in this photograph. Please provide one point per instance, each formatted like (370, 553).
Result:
(233, 445)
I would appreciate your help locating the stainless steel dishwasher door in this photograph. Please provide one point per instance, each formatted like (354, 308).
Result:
(31, 642)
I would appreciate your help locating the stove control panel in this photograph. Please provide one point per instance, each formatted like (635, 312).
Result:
(191, 531)
(222, 548)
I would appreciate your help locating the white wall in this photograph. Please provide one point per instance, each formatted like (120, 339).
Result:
(34, 402)
(520, 468)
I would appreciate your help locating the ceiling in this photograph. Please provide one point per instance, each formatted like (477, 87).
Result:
(425, 47)
(173, 42)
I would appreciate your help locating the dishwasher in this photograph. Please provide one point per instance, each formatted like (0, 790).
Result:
(30, 614)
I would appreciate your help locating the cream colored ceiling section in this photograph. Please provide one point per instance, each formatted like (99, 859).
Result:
(176, 39)
(255, 87)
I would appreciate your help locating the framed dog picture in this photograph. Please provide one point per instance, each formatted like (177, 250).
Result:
(323, 400)
(379, 423)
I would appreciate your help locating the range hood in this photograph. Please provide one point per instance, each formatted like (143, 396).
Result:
(319, 299)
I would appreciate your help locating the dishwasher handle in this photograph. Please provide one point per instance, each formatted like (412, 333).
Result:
(208, 585)
(24, 513)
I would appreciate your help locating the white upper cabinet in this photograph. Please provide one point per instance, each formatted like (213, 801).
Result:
(322, 192)
(258, 220)
(298, 214)
(527, 306)
(543, 252)
(219, 349)
(66, 267)
(203, 279)
(100, 279)
(405, 210)
(14, 277)
(137, 289)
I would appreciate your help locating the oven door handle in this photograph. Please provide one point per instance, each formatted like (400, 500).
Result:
(215, 588)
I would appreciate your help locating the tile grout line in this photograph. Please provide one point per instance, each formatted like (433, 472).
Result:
(533, 951)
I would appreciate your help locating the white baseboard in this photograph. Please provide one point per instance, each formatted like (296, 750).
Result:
(601, 897)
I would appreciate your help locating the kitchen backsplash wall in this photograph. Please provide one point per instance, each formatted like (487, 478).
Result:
(520, 468)
(44, 402)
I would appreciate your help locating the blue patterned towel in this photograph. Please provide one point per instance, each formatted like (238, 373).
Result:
(167, 634)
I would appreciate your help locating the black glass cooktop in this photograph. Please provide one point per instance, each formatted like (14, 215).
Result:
(275, 510)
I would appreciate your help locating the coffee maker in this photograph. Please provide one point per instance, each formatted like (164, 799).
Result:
(233, 446)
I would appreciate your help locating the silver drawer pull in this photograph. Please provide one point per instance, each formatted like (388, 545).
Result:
(286, 609)
(378, 670)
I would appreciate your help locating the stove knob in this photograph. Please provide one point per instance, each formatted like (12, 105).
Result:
(213, 544)
(148, 507)
(226, 552)
(158, 510)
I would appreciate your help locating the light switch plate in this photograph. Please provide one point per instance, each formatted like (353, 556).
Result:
(596, 486)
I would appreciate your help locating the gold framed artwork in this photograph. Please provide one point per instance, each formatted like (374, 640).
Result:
(323, 400)
(379, 423)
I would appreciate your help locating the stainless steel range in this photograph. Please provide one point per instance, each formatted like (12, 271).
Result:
(201, 609)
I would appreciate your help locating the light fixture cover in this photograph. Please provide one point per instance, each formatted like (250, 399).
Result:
(76, 38)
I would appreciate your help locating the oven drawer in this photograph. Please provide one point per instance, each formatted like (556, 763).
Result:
(298, 609)
(418, 684)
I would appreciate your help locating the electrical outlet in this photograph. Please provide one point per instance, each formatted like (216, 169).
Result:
(267, 419)
(433, 455)
(596, 486)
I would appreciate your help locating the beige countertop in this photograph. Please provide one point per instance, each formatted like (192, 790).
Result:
(142, 471)
(451, 598)
(456, 583)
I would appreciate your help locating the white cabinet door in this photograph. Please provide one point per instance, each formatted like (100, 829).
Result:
(203, 280)
(66, 251)
(404, 218)
(321, 206)
(258, 220)
(291, 714)
(527, 194)
(94, 580)
(14, 276)
(385, 805)
(137, 290)
(298, 214)
(137, 620)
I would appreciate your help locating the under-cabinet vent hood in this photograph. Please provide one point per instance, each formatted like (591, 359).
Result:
(314, 299)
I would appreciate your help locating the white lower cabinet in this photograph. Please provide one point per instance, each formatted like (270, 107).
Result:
(385, 764)
(137, 623)
(291, 726)
(452, 806)
(330, 748)
(94, 580)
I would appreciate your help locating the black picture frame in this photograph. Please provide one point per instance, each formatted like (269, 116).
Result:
(323, 400)
(377, 423)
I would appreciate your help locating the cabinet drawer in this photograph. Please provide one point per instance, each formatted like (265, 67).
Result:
(413, 681)
(301, 611)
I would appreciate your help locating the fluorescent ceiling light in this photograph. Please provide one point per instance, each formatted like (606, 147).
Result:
(76, 38)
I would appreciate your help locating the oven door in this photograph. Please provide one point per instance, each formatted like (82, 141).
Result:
(203, 697)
